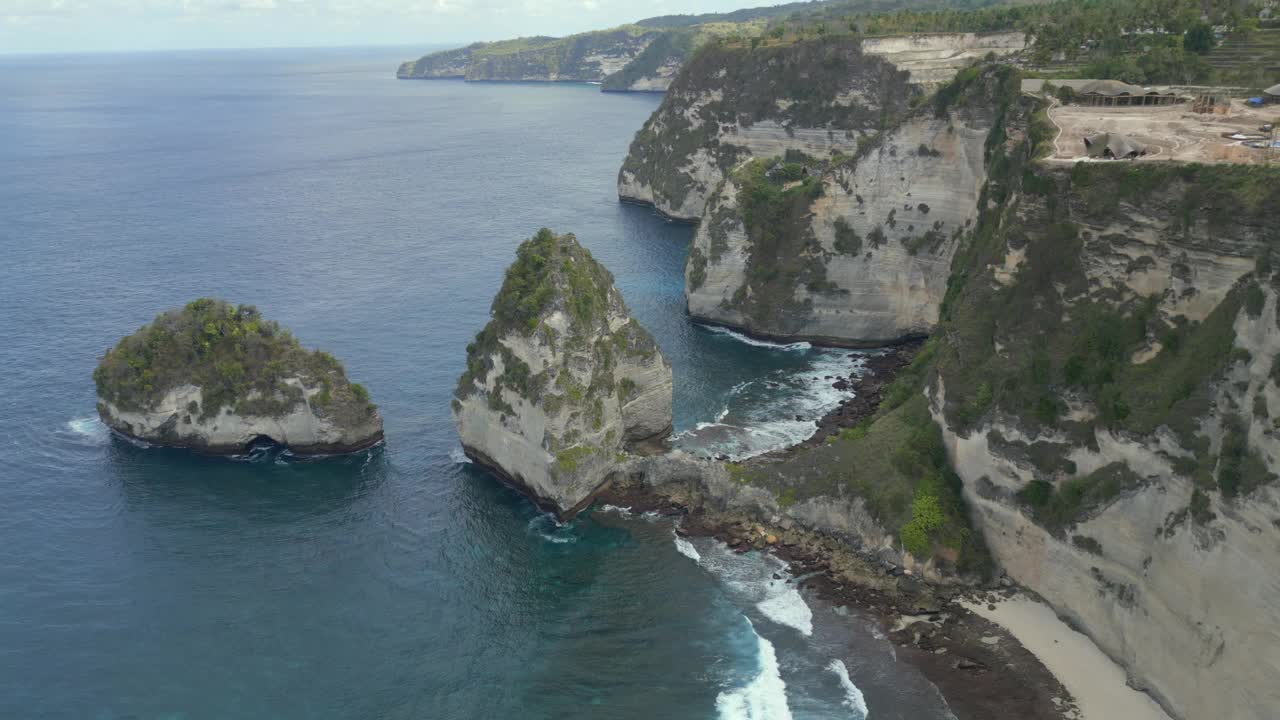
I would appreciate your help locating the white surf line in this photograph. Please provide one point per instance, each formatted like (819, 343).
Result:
(765, 697)
(752, 341)
(853, 698)
(686, 548)
(1098, 684)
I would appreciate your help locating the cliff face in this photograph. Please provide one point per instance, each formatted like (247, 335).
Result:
(217, 377)
(311, 427)
(862, 256)
(562, 383)
(1107, 390)
(446, 64)
(732, 103)
(932, 59)
(819, 97)
(1095, 413)
(653, 69)
(587, 57)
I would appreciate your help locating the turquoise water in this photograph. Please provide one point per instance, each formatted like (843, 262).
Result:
(374, 218)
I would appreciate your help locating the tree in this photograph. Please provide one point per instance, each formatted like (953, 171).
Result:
(1199, 38)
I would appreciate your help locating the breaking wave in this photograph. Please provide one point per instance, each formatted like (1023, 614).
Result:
(753, 341)
(91, 428)
(853, 698)
(765, 697)
(774, 411)
(548, 528)
(687, 549)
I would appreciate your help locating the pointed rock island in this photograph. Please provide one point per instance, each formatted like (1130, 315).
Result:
(562, 382)
(218, 378)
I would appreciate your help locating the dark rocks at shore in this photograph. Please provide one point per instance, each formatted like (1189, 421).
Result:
(927, 624)
(879, 370)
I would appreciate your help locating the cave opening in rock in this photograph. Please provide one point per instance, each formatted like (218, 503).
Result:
(262, 444)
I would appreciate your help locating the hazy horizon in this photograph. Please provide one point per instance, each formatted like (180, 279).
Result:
(75, 26)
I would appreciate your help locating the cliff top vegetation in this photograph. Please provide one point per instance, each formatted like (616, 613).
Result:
(554, 273)
(238, 359)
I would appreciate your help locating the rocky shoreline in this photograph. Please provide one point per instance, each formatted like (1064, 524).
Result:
(879, 370)
(980, 669)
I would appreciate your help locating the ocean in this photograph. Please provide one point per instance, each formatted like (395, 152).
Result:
(374, 218)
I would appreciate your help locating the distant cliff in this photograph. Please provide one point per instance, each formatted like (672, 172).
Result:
(821, 97)
(627, 58)
(852, 250)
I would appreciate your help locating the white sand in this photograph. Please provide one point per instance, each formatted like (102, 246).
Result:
(1096, 682)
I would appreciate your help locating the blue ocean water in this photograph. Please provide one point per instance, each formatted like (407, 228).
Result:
(374, 218)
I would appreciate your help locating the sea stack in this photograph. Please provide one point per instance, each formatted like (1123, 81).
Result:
(218, 378)
(562, 382)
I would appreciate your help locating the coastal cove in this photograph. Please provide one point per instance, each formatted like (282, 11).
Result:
(374, 218)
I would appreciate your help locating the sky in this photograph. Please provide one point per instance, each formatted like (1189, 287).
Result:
(38, 26)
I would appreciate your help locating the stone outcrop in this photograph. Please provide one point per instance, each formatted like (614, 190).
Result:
(863, 257)
(562, 383)
(820, 96)
(218, 378)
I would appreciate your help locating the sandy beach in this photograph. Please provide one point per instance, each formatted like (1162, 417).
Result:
(1096, 682)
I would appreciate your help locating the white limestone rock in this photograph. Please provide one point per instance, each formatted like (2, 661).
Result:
(217, 378)
(562, 382)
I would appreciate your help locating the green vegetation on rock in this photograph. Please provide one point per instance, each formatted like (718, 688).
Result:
(554, 274)
(774, 200)
(568, 459)
(240, 361)
(792, 85)
(1061, 506)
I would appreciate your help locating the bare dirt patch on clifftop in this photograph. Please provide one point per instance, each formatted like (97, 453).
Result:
(1170, 132)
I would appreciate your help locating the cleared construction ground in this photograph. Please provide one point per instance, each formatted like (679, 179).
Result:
(1170, 132)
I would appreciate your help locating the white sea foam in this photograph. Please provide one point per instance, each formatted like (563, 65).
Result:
(548, 528)
(765, 697)
(751, 580)
(687, 549)
(459, 457)
(623, 511)
(785, 607)
(778, 410)
(753, 341)
(90, 427)
(853, 698)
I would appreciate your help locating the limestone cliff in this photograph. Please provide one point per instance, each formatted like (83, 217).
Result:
(586, 57)
(562, 382)
(1107, 388)
(445, 64)
(852, 250)
(1095, 412)
(822, 96)
(217, 378)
